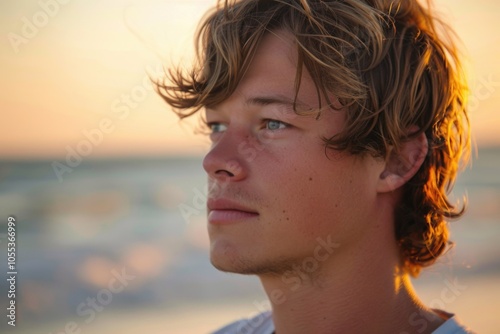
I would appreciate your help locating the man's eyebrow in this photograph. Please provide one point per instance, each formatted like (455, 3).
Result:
(280, 100)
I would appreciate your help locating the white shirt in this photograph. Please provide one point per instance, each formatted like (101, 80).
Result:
(263, 324)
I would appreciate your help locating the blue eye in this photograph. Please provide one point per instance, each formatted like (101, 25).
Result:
(272, 124)
(217, 127)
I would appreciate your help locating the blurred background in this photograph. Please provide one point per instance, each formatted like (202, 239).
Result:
(108, 190)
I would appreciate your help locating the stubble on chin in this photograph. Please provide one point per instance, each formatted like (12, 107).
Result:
(279, 267)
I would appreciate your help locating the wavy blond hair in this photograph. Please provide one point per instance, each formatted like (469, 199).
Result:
(392, 65)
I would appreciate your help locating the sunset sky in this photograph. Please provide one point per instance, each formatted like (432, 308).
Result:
(69, 69)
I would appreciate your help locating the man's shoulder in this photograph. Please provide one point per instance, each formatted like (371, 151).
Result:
(262, 323)
(452, 326)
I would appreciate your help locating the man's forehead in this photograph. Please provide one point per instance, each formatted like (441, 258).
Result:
(271, 78)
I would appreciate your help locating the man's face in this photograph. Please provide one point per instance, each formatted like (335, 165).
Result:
(274, 189)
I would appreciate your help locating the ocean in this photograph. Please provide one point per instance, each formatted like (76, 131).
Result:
(120, 246)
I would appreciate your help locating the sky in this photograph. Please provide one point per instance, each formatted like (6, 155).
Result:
(74, 75)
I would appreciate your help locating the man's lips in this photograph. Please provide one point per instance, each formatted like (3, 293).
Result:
(225, 211)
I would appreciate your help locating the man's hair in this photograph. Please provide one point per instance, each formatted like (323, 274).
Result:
(386, 63)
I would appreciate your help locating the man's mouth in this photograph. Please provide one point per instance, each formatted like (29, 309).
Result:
(225, 211)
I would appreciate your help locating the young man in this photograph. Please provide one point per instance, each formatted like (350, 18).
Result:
(337, 128)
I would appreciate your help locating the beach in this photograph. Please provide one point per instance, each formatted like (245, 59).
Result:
(130, 234)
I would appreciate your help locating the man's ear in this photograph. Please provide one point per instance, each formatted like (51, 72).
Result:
(401, 166)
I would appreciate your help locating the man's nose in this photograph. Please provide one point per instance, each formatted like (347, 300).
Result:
(225, 161)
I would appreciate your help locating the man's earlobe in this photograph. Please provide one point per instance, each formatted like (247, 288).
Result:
(403, 165)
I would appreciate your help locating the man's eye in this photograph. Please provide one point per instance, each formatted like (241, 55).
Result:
(216, 127)
(272, 124)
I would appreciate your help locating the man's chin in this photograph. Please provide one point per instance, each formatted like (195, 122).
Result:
(230, 264)
(244, 266)
(226, 256)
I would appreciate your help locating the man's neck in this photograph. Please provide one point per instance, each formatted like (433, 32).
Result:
(346, 295)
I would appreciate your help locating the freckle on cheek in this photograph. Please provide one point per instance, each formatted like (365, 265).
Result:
(310, 179)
